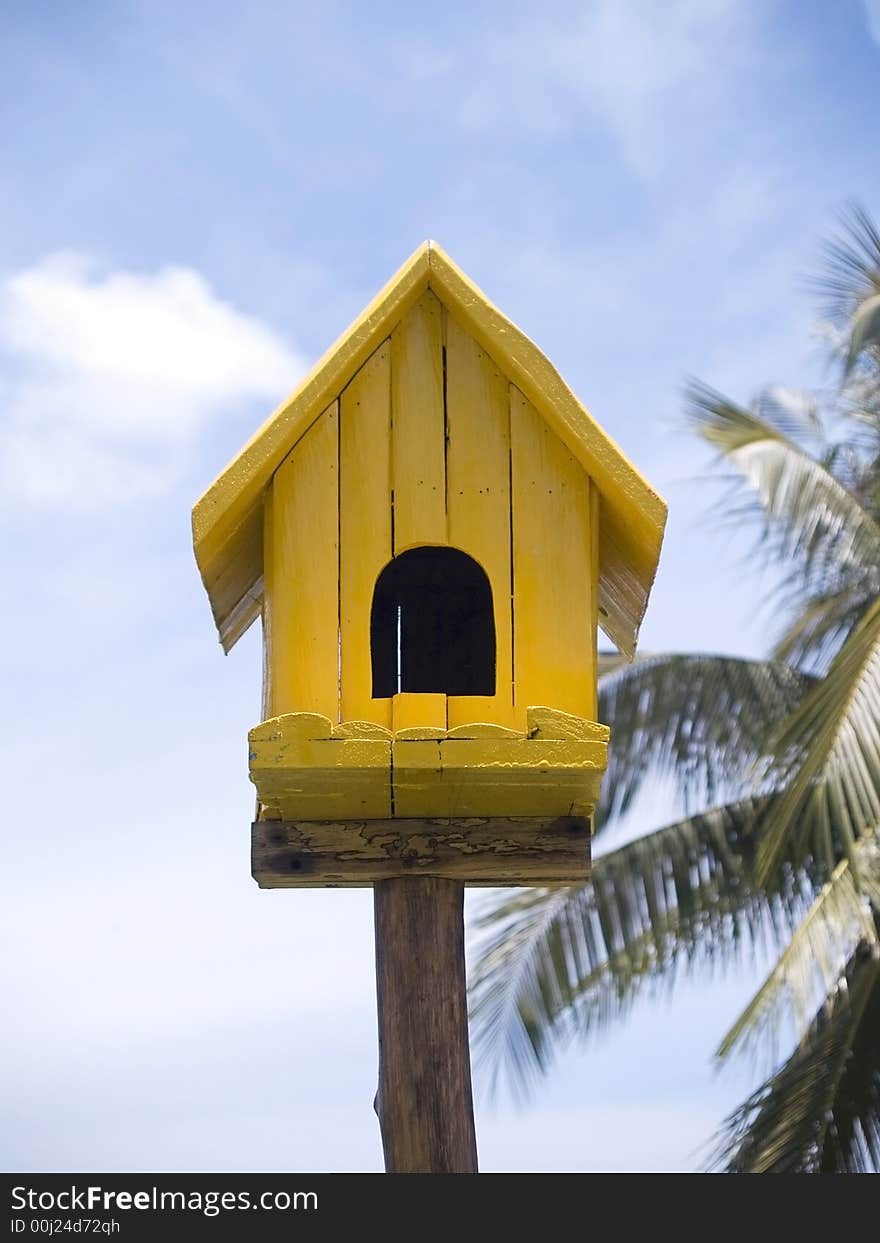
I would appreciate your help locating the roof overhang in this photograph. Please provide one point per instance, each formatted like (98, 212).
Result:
(227, 520)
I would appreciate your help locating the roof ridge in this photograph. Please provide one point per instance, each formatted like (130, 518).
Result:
(227, 520)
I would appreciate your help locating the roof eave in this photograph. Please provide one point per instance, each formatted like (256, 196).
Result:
(227, 520)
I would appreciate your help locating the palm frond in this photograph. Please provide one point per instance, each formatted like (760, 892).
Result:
(807, 515)
(809, 966)
(852, 266)
(822, 623)
(820, 1112)
(557, 964)
(702, 720)
(827, 761)
(864, 332)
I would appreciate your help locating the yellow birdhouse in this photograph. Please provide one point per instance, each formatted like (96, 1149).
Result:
(432, 529)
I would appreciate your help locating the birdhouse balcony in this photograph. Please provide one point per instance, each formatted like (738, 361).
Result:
(307, 768)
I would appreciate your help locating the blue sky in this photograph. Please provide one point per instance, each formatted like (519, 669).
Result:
(194, 201)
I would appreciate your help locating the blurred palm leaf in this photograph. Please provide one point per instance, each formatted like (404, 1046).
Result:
(810, 522)
(852, 267)
(827, 760)
(865, 332)
(820, 1112)
(555, 963)
(810, 966)
(824, 621)
(701, 720)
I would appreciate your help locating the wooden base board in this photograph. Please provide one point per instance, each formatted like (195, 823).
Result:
(293, 854)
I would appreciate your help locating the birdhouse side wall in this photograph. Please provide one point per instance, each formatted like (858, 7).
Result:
(301, 580)
(430, 444)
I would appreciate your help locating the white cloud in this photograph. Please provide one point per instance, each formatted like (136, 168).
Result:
(872, 13)
(108, 377)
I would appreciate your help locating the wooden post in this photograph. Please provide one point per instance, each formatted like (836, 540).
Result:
(424, 1102)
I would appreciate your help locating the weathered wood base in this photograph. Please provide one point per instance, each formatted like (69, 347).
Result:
(424, 1103)
(290, 854)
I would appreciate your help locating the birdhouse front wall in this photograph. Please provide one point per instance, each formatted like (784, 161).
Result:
(429, 446)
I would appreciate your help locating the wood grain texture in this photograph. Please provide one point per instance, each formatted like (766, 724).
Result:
(635, 514)
(417, 433)
(227, 520)
(418, 470)
(415, 711)
(305, 767)
(424, 1102)
(304, 651)
(289, 854)
(594, 518)
(497, 776)
(553, 661)
(546, 723)
(478, 500)
(268, 606)
(364, 527)
(314, 777)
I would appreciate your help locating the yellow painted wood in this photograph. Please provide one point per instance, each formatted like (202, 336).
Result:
(293, 726)
(227, 521)
(484, 729)
(478, 501)
(268, 604)
(348, 792)
(418, 470)
(551, 723)
(417, 433)
(468, 793)
(303, 769)
(418, 733)
(553, 660)
(635, 515)
(361, 729)
(417, 776)
(305, 605)
(595, 502)
(529, 755)
(415, 710)
(497, 776)
(417, 755)
(364, 527)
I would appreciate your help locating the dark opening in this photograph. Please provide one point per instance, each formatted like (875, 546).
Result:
(432, 628)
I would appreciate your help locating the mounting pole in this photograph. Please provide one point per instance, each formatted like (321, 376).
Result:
(424, 1102)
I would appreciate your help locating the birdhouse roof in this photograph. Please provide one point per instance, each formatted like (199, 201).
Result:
(227, 520)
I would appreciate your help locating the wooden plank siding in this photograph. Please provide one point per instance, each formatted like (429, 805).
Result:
(478, 501)
(304, 605)
(417, 427)
(268, 608)
(429, 444)
(227, 520)
(552, 610)
(364, 528)
(592, 587)
(418, 461)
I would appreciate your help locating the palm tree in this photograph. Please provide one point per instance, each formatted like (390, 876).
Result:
(777, 768)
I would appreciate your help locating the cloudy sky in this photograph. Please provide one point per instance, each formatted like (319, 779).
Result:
(195, 199)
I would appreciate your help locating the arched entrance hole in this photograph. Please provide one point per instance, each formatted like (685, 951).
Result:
(432, 627)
